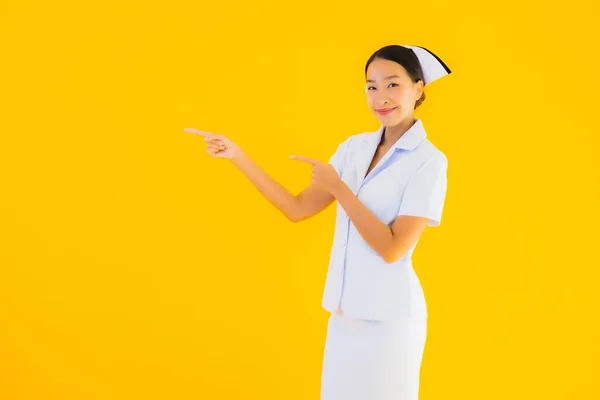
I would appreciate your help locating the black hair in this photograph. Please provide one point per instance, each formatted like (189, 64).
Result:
(404, 56)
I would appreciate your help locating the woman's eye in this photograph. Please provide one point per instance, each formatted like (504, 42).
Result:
(390, 85)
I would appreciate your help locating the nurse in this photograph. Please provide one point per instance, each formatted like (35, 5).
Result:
(388, 186)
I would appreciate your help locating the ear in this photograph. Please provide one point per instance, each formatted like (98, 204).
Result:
(419, 86)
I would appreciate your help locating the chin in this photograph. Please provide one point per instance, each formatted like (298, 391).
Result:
(388, 120)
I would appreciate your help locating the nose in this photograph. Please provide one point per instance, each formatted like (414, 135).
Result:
(381, 101)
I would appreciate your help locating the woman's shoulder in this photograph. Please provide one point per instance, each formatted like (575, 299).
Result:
(433, 151)
(432, 156)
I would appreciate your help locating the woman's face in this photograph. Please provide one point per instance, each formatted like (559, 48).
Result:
(391, 94)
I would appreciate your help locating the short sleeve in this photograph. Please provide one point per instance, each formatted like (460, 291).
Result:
(339, 156)
(425, 192)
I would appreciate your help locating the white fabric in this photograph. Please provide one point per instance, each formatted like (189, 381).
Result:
(373, 360)
(426, 190)
(409, 180)
(431, 66)
(374, 350)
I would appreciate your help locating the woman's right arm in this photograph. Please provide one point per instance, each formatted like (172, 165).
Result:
(309, 202)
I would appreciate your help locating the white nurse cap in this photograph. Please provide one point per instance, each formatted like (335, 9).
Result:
(433, 67)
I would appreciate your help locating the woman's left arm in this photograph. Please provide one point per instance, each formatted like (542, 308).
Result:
(391, 243)
(421, 206)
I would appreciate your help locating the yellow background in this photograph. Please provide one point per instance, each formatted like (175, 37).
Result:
(134, 266)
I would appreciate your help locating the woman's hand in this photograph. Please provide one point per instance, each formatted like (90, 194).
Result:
(218, 145)
(323, 174)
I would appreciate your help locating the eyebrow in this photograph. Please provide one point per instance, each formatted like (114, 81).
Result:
(387, 77)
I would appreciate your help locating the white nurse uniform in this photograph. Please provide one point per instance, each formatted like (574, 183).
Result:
(377, 329)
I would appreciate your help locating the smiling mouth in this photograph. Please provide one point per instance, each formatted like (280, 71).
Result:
(385, 111)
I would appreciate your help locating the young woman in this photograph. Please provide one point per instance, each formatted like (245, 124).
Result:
(389, 185)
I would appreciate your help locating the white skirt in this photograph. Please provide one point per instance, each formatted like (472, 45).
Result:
(372, 360)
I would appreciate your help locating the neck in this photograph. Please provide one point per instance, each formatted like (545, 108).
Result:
(393, 133)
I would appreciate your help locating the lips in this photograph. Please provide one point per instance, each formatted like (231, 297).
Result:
(385, 111)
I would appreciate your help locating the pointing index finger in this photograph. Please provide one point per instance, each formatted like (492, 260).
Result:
(199, 132)
(304, 159)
